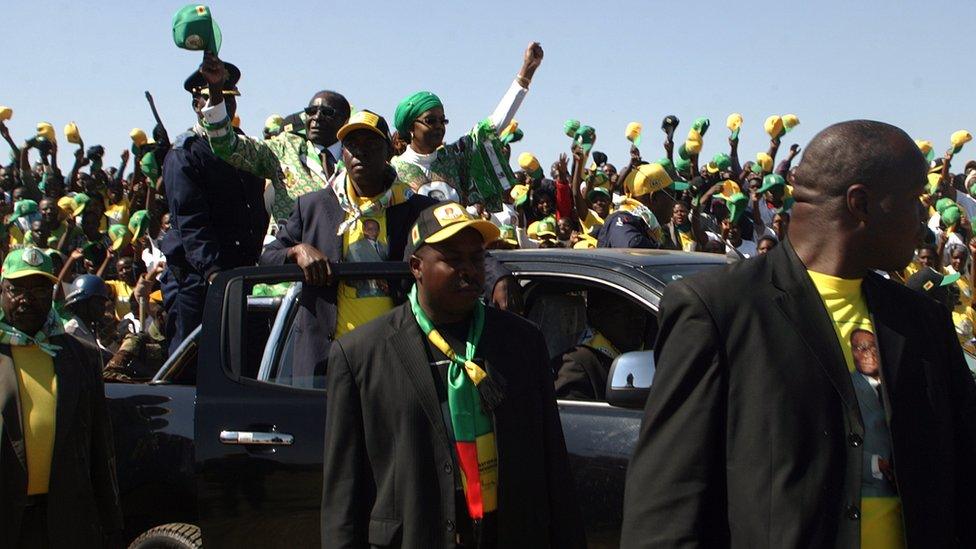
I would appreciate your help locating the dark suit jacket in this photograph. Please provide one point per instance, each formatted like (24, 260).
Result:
(217, 214)
(581, 373)
(752, 435)
(389, 473)
(314, 221)
(83, 499)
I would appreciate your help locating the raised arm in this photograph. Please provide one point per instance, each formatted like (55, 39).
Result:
(5, 133)
(734, 155)
(240, 151)
(512, 99)
(783, 168)
(124, 160)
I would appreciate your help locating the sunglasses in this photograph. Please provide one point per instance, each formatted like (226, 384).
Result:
(432, 121)
(323, 110)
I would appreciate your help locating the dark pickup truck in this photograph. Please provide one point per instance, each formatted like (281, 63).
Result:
(224, 446)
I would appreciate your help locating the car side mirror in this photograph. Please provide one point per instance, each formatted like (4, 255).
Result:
(629, 382)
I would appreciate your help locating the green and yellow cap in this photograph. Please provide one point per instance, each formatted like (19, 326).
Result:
(120, 236)
(545, 227)
(585, 137)
(528, 162)
(23, 208)
(81, 202)
(570, 127)
(195, 29)
(951, 216)
(442, 221)
(770, 181)
(647, 179)
(139, 223)
(149, 166)
(737, 204)
(27, 261)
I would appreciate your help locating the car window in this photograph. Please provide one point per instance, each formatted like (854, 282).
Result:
(586, 325)
(667, 274)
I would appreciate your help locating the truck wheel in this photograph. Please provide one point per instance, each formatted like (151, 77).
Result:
(176, 535)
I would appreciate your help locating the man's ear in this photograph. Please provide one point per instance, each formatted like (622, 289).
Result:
(858, 198)
(415, 267)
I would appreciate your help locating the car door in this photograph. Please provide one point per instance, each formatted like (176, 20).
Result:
(600, 438)
(259, 443)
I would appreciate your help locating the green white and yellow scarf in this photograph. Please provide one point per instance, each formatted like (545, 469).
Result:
(474, 436)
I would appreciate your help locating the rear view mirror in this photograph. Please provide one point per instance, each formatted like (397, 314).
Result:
(631, 375)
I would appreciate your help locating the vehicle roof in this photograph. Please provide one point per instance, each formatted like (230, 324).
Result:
(611, 256)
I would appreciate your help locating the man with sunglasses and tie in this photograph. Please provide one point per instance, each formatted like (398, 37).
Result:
(295, 164)
(420, 120)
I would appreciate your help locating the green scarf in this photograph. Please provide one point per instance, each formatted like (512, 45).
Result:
(52, 326)
(474, 436)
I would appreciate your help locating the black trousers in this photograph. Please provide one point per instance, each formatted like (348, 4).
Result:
(184, 292)
(33, 526)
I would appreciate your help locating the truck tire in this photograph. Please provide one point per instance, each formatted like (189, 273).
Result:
(176, 535)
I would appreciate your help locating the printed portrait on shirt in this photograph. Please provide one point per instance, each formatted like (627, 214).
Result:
(864, 347)
(367, 246)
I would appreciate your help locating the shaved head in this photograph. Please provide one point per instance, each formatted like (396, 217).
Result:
(871, 153)
(857, 199)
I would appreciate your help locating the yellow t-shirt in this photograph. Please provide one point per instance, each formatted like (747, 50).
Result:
(38, 387)
(687, 240)
(122, 293)
(360, 301)
(881, 518)
(118, 213)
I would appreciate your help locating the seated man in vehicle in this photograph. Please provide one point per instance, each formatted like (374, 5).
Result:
(616, 325)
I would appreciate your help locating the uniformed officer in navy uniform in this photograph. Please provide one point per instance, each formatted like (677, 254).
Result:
(217, 215)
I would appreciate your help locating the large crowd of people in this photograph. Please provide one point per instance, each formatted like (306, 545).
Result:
(132, 247)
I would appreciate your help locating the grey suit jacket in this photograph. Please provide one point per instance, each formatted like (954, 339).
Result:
(83, 500)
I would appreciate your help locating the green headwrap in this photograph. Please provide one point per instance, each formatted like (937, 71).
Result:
(412, 107)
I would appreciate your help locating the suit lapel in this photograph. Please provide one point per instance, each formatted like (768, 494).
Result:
(67, 367)
(406, 344)
(334, 216)
(10, 401)
(801, 304)
(890, 330)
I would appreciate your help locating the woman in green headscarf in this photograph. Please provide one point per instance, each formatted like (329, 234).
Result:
(420, 121)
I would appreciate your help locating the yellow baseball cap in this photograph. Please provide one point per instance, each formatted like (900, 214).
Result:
(365, 120)
(648, 179)
(442, 221)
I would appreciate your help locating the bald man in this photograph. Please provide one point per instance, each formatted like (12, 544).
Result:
(760, 429)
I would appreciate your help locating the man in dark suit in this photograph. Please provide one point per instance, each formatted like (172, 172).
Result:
(417, 399)
(217, 216)
(327, 225)
(57, 461)
(764, 428)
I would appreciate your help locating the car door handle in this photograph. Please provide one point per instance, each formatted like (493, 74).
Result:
(257, 439)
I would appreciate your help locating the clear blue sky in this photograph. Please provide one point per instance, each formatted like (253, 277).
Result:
(606, 63)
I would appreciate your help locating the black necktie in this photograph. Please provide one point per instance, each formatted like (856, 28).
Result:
(328, 162)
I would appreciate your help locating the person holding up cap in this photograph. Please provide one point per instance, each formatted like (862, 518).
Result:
(420, 119)
(58, 461)
(449, 376)
(367, 202)
(295, 164)
(217, 215)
